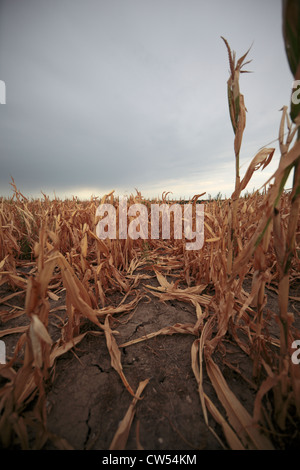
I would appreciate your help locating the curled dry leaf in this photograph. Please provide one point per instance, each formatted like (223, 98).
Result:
(115, 354)
(239, 418)
(37, 334)
(168, 330)
(120, 438)
(261, 160)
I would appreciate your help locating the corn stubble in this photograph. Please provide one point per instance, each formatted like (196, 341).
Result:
(67, 257)
(252, 238)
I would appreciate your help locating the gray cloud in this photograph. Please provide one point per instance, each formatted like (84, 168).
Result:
(126, 93)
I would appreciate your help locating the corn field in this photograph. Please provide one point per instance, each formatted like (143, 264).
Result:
(49, 250)
(60, 284)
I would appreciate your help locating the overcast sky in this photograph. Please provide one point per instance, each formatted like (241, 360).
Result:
(125, 94)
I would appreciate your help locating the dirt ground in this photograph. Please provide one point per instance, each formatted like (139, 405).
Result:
(86, 399)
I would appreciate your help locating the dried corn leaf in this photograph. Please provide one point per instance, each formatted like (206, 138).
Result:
(183, 296)
(60, 349)
(84, 245)
(11, 296)
(238, 416)
(53, 296)
(267, 385)
(121, 308)
(115, 354)
(38, 333)
(24, 386)
(180, 328)
(231, 437)
(46, 274)
(11, 331)
(17, 280)
(197, 366)
(261, 160)
(2, 263)
(7, 372)
(39, 329)
(169, 291)
(72, 280)
(163, 281)
(269, 204)
(197, 361)
(120, 438)
(196, 355)
(78, 295)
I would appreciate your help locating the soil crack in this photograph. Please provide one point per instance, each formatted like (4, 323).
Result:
(89, 429)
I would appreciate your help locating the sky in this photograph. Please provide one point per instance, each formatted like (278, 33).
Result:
(130, 95)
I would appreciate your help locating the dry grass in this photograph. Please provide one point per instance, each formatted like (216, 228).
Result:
(47, 246)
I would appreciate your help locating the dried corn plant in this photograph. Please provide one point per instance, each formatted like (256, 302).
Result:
(237, 112)
(286, 384)
(66, 256)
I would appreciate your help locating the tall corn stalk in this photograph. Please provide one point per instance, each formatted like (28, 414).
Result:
(285, 242)
(237, 111)
(286, 385)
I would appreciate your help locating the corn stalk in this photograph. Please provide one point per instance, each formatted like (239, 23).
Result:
(287, 384)
(285, 242)
(237, 111)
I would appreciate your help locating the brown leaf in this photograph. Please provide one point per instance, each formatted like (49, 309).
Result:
(231, 437)
(115, 354)
(186, 328)
(262, 159)
(238, 416)
(120, 438)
